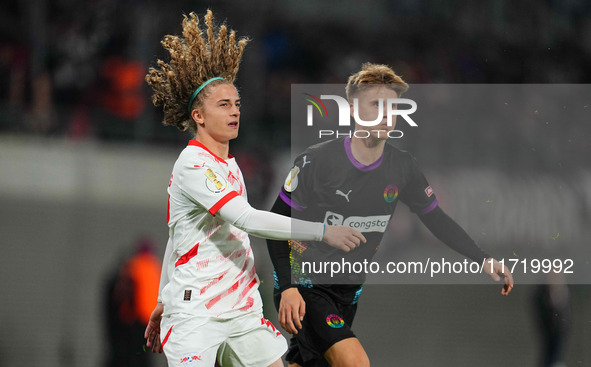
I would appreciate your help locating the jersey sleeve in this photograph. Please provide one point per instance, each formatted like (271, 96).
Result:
(206, 184)
(265, 224)
(454, 236)
(417, 194)
(294, 196)
(279, 252)
(297, 190)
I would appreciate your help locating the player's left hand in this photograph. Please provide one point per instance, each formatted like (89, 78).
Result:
(292, 309)
(494, 272)
(152, 333)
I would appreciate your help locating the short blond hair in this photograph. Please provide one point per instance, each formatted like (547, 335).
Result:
(374, 74)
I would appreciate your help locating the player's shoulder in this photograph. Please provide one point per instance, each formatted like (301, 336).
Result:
(194, 159)
(199, 156)
(396, 152)
(325, 147)
(321, 156)
(398, 157)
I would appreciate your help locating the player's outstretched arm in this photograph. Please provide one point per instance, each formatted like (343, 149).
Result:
(493, 268)
(454, 236)
(152, 333)
(278, 227)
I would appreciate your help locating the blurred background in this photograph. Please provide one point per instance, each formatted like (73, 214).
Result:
(84, 164)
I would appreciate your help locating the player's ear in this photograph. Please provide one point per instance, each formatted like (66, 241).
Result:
(197, 116)
(351, 109)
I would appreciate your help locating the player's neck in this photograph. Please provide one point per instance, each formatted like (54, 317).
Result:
(367, 150)
(219, 148)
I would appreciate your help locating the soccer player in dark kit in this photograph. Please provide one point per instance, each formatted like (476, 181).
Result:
(355, 181)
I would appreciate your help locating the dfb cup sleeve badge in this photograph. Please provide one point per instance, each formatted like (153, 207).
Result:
(291, 182)
(215, 182)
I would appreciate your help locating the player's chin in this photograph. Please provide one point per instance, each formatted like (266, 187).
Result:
(233, 135)
(379, 135)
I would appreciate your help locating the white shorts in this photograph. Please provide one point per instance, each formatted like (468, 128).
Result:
(248, 340)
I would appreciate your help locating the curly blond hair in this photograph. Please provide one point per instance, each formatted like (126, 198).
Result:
(193, 60)
(372, 74)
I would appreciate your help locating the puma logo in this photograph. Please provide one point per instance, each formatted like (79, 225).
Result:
(305, 161)
(346, 196)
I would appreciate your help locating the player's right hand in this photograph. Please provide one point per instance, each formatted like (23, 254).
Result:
(292, 309)
(343, 238)
(152, 333)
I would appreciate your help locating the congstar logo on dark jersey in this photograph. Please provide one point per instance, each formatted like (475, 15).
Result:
(373, 223)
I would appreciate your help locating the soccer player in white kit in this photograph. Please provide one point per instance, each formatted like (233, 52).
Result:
(209, 307)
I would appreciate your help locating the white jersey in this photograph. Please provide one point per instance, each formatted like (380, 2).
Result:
(211, 269)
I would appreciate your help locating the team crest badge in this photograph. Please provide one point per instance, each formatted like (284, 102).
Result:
(190, 359)
(335, 321)
(390, 193)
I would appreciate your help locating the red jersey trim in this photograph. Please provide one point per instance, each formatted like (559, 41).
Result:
(188, 256)
(217, 206)
(199, 144)
(168, 211)
(167, 335)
